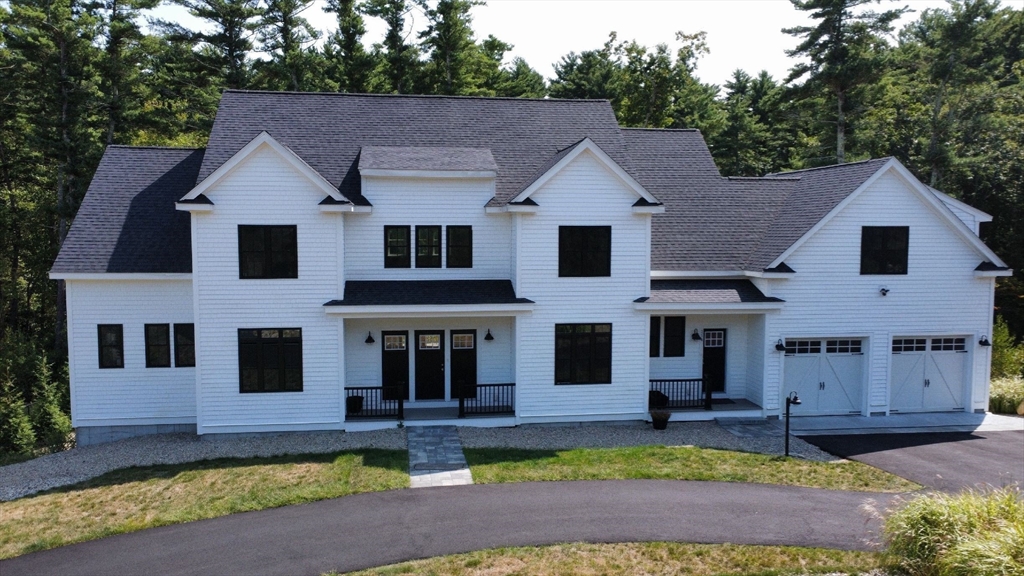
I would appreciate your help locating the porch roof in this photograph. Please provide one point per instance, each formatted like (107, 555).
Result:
(717, 295)
(429, 298)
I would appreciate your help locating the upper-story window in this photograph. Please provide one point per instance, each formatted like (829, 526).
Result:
(396, 247)
(267, 252)
(883, 249)
(428, 246)
(460, 246)
(584, 251)
(158, 346)
(111, 345)
(184, 345)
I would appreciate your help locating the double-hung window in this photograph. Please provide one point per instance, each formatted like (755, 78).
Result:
(583, 353)
(674, 334)
(158, 346)
(396, 247)
(111, 345)
(584, 251)
(270, 359)
(460, 246)
(267, 252)
(184, 345)
(883, 249)
(428, 246)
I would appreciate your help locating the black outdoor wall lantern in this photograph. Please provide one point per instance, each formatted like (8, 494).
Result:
(695, 335)
(369, 338)
(780, 346)
(984, 341)
(488, 337)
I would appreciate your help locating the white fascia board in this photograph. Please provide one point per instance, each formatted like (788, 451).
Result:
(992, 273)
(675, 308)
(345, 209)
(922, 191)
(265, 139)
(388, 173)
(659, 209)
(506, 209)
(588, 145)
(436, 311)
(708, 275)
(121, 276)
(946, 198)
(191, 207)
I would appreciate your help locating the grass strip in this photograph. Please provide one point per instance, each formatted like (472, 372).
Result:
(499, 465)
(137, 498)
(581, 559)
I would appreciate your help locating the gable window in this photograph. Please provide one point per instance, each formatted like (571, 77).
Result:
(883, 249)
(396, 247)
(158, 346)
(655, 342)
(584, 251)
(428, 246)
(270, 360)
(675, 336)
(460, 246)
(184, 345)
(267, 252)
(111, 345)
(583, 353)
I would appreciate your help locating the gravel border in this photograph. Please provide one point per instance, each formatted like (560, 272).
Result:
(80, 464)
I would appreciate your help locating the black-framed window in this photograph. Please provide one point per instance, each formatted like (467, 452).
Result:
(883, 249)
(268, 252)
(428, 246)
(396, 247)
(184, 345)
(655, 341)
(675, 336)
(460, 246)
(158, 345)
(270, 360)
(584, 251)
(111, 345)
(583, 353)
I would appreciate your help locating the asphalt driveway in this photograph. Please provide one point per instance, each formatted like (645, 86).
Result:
(374, 529)
(946, 461)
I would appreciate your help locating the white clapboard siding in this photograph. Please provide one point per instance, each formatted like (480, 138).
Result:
(264, 190)
(427, 202)
(493, 359)
(964, 216)
(757, 346)
(691, 365)
(583, 193)
(133, 395)
(827, 297)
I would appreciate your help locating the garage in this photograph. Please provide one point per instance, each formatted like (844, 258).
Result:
(827, 374)
(928, 374)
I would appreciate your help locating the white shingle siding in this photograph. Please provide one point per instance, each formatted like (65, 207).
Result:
(584, 193)
(265, 190)
(427, 202)
(828, 297)
(133, 395)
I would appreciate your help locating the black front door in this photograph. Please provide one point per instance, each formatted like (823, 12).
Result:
(395, 365)
(429, 365)
(714, 359)
(463, 363)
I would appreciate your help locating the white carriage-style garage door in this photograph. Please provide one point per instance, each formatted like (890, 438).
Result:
(928, 374)
(827, 374)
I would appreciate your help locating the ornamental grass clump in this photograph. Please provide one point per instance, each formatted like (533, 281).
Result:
(974, 533)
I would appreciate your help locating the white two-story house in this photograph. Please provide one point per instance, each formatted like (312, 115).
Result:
(343, 262)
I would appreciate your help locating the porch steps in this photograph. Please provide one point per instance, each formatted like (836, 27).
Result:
(436, 458)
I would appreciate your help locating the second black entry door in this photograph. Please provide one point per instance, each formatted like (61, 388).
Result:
(429, 364)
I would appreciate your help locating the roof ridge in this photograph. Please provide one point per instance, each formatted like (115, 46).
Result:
(154, 147)
(424, 96)
(765, 179)
(659, 129)
(829, 167)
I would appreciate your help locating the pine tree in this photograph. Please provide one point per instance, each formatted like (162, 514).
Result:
(284, 34)
(453, 53)
(234, 24)
(51, 425)
(348, 63)
(400, 64)
(16, 435)
(119, 68)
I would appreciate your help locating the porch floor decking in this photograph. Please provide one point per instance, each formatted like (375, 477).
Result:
(720, 405)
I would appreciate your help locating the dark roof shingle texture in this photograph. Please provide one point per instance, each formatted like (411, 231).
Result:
(706, 292)
(127, 222)
(427, 292)
(421, 158)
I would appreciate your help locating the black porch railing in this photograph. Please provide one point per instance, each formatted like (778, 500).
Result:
(680, 393)
(375, 402)
(487, 399)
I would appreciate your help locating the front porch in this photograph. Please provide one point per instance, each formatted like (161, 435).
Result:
(689, 400)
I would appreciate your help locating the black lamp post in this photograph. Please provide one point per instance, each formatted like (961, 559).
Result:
(790, 400)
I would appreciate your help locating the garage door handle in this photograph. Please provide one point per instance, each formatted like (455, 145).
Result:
(927, 382)
(821, 385)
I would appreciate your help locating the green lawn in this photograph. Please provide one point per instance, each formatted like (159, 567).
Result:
(638, 559)
(497, 465)
(138, 498)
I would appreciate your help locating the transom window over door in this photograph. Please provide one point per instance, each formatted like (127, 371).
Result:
(428, 246)
(883, 249)
(583, 353)
(267, 252)
(584, 251)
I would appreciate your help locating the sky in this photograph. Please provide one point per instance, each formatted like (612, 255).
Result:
(740, 33)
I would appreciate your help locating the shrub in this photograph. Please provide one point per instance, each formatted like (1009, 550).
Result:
(1007, 354)
(52, 426)
(16, 435)
(1006, 395)
(974, 533)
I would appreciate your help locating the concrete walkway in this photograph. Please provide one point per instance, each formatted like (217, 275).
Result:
(436, 458)
(374, 529)
(904, 424)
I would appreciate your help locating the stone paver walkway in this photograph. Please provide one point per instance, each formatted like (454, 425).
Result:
(436, 458)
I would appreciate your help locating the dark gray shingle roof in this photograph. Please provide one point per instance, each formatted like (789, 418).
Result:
(706, 292)
(127, 221)
(421, 158)
(327, 130)
(427, 292)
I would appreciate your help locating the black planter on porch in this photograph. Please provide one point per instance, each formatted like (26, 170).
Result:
(353, 404)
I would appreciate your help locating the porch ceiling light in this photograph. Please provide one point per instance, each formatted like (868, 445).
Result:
(780, 346)
(695, 335)
(488, 337)
(984, 341)
(369, 338)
